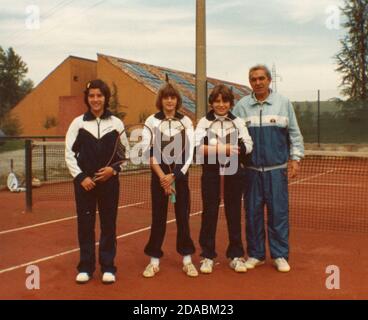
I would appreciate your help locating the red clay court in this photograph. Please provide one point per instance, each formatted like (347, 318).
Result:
(329, 226)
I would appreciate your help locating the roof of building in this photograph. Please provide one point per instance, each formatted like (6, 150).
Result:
(153, 77)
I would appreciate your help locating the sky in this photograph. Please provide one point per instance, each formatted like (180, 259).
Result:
(299, 38)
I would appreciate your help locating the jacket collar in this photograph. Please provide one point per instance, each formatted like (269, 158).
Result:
(210, 116)
(269, 99)
(161, 116)
(89, 116)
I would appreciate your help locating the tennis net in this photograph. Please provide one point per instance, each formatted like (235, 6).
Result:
(329, 193)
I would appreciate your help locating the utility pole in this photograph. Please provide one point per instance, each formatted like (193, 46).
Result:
(201, 70)
(274, 78)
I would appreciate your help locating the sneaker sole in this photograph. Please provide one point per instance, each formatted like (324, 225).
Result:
(280, 270)
(83, 282)
(257, 265)
(150, 276)
(206, 272)
(283, 271)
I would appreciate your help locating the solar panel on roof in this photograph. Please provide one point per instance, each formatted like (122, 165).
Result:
(144, 74)
(156, 83)
(189, 104)
(180, 80)
(237, 91)
(140, 70)
(210, 85)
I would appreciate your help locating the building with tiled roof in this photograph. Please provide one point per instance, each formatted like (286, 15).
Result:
(51, 106)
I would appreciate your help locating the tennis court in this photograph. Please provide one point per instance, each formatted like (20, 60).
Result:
(329, 226)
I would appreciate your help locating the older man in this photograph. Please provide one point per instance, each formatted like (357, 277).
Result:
(272, 124)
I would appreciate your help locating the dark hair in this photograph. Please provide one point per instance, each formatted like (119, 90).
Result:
(168, 90)
(104, 88)
(226, 93)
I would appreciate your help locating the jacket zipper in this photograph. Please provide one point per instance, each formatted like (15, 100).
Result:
(261, 133)
(98, 127)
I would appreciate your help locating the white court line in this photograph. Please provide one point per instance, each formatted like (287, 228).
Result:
(59, 220)
(332, 184)
(311, 177)
(132, 205)
(34, 262)
(123, 235)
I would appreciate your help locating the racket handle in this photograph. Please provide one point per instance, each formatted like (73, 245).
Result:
(173, 195)
(222, 187)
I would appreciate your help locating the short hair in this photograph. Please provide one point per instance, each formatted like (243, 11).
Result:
(226, 93)
(261, 67)
(168, 90)
(104, 88)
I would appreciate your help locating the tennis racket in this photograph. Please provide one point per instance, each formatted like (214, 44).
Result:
(172, 143)
(223, 131)
(131, 145)
(12, 181)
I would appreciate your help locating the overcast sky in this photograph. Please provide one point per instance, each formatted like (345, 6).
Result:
(299, 37)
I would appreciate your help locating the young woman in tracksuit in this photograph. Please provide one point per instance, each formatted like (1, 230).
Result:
(221, 101)
(90, 142)
(168, 102)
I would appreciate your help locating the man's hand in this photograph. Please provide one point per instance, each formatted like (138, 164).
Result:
(294, 168)
(104, 174)
(88, 184)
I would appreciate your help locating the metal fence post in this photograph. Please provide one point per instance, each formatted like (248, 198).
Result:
(28, 166)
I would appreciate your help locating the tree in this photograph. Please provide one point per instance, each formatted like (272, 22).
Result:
(114, 104)
(13, 85)
(352, 60)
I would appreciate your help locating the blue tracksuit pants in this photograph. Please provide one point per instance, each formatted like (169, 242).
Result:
(270, 189)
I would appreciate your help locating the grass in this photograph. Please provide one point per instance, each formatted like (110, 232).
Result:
(11, 145)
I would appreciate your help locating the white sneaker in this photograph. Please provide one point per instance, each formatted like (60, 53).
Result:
(108, 278)
(238, 264)
(150, 271)
(251, 263)
(82, 278)
(206, 266)
(282, 265)
(190, 270)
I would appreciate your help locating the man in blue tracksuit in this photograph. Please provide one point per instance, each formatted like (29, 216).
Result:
(276, 136)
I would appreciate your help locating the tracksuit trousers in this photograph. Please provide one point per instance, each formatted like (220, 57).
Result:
(184, 243)
(105, 197)
(211, 202)
(270, 189)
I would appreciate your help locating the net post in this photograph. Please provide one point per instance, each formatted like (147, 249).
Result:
(28, 167)
(319, 118)
(44, 161)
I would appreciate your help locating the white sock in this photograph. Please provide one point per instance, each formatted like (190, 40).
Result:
(187, 259)
(155, 261)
